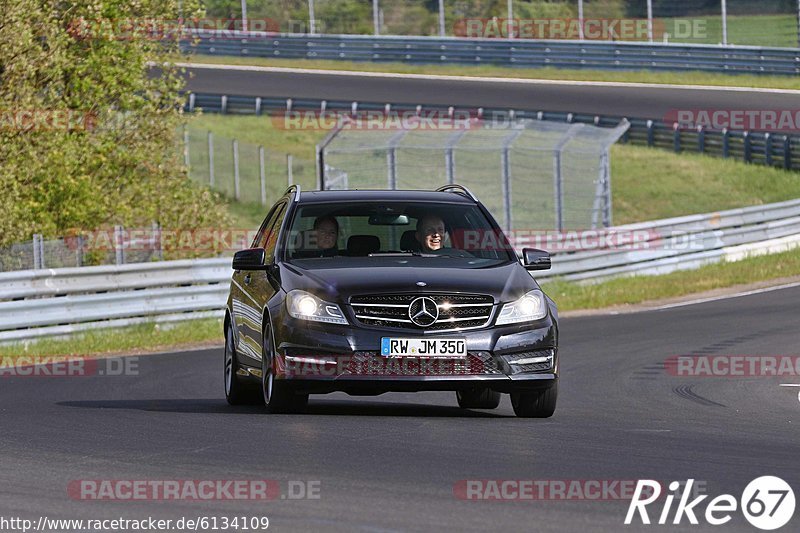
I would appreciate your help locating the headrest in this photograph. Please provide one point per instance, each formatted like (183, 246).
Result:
(362, 245)
(409, 242)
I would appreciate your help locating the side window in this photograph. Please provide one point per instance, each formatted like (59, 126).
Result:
(268, 221)
(263, 231)
(269, 239)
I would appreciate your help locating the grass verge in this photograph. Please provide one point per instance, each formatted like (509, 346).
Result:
(571, 296)
(142, 338)
(633, 76)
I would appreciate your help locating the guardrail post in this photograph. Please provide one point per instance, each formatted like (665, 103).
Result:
(37, 251)
(701, 139)
(787, 152)
(236, 191)
(676, 137)
(626, 135)
(651, 135)
(768, 148)
(223, 104)
(748, 147)
(726, 143)
(290, 169)
(210, 159)
(119, 252)
(262, 174)
(258, 105)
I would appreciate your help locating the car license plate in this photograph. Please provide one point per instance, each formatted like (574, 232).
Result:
(402, 347)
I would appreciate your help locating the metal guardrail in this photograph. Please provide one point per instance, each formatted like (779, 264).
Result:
(523, 53)
(764, 148)
(36, 304)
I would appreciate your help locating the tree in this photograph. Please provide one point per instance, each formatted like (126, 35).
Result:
(87, 133)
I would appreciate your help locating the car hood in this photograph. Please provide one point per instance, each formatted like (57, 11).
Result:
(505, 283)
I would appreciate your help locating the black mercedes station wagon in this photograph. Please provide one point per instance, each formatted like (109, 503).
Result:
(368, 292)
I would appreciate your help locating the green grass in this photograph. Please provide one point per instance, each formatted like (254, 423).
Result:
(649, 184)
(641, 76)
(632, 290)
(148, 337)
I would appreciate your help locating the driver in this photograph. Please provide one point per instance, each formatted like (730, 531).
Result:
(430, 233)
(326, 232)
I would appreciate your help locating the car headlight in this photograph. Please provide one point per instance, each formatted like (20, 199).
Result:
(532, 306)
(306, 306)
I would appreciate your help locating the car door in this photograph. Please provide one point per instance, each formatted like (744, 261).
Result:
(247, 299)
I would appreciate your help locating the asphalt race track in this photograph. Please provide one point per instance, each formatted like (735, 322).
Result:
(390, 463)
(641, 102)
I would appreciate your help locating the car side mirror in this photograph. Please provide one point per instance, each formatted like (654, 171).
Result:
(534, 259)
(250, 259)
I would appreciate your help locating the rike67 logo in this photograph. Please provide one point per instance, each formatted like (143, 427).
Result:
(767, 503)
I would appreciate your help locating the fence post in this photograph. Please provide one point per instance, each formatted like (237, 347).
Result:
(119, 253)
(79, 254)
(768, 148)
(37, 252)
(724, 22)
(747, 147)
(210, 159)
(376, 30)
(262, 174)
(289, 169)
(186, 147)
(441, 18)
(236, 170)
(726, 143)
(155, 241)
(391, 163)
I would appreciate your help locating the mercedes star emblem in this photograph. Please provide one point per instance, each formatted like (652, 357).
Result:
(423, 312)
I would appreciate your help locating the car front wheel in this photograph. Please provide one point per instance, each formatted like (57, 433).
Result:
(237, 391)
(535, 404)
(279, 396)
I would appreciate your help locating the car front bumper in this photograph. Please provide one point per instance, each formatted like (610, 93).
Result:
(322, 358)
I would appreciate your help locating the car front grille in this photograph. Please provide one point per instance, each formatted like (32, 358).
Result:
(373, 364)
(456, 311)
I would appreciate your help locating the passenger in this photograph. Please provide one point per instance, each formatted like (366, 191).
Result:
(326, 232)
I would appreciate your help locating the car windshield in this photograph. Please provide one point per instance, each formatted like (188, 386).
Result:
(360, 231)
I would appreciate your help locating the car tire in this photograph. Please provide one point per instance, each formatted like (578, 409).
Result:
(237, 390)
(279, 396)
(535, 404)
(478, 399)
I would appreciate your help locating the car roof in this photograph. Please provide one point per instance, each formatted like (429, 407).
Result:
(385, 195)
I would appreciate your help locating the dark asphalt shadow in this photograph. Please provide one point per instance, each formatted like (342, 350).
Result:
(315, 407)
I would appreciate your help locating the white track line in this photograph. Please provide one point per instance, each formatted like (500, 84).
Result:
(526, 81)
(724, 297)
